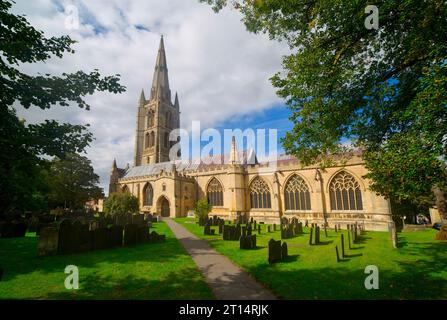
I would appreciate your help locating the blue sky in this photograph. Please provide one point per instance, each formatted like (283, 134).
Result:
(219, 70)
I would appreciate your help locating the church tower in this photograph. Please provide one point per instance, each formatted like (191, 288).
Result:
(156, 117)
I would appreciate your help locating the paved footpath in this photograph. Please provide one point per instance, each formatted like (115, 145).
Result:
(227, 281)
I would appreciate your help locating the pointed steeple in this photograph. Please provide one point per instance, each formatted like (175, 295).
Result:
(142, 100)
(233, 154)
(114, 166)
(176, 103)
(160, 82)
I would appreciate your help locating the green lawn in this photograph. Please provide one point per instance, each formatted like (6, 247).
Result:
(416, 270)
(150, 271)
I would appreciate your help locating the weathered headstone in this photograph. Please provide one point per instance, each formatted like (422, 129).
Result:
(317, 235)
(67, 238)
(130, 234)
(100, 238)
(117, 235)
(247, 242)
(336, 253)
(284, 251)
(48, 242)
(142, 234)
(274, 253)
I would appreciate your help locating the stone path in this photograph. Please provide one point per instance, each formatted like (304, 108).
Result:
(227, 281)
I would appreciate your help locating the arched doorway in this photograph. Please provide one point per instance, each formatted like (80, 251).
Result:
(163, 207)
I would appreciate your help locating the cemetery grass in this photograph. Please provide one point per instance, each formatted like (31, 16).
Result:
(149, 271)
(416, 270)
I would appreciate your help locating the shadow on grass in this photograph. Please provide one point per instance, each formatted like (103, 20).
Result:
(19, 256)
(183, 284)
(419, 275)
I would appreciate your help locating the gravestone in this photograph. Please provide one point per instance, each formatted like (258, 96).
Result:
(130, 234)
(48, 242)
(259, 229)
(317, 235)
(247, 242)
(100, 238)
(155, 237)
(207, 230)
(349, 239)
(342, 239)
(336, 253)
(142, 234)
(274, 227)
(67, 238)
(268, 229)
(117, 235)
(274, 254)
(310, 235)
(284, 251)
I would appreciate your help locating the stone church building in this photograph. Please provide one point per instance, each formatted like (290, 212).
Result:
(237, 184)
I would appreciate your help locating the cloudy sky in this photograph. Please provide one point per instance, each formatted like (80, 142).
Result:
(219, 70)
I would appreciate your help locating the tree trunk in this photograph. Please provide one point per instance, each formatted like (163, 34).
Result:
(441, 202)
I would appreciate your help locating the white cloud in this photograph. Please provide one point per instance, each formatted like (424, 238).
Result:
(218, 68)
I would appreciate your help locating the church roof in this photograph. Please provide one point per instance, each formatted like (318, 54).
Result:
(215, 161)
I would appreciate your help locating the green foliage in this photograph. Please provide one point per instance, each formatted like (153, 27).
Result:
(202, 208)
(71, 182)
(383, 90)
(23, 147)
(121, 203)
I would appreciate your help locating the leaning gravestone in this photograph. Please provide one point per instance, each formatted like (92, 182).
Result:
(48, 242)
(274, 251)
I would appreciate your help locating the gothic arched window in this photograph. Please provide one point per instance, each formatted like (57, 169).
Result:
(296, 194)
(148, 195)
(259, 194)
(147, 140)
(215, 192)
(152, 139)
(344, 192)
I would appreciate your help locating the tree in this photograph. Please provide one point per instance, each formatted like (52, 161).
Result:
(382, 90)
(23, 148)
(121, 203)
(72, 182)
(201, 210)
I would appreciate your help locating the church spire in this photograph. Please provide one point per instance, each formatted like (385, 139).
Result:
(160, 83)
(142, 98)
(176, 103)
